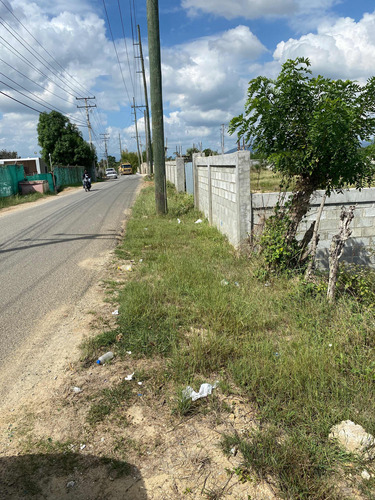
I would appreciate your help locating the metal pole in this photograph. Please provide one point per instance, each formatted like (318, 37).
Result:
(156, 106)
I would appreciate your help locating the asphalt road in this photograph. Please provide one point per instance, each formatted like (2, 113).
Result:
(42, 248)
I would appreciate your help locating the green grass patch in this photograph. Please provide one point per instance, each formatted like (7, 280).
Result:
(18, 199)
(108, 400)
(304, 364)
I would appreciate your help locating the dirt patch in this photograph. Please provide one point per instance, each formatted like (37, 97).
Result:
(50, 449)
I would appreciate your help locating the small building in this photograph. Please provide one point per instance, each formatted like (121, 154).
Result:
(32, 166)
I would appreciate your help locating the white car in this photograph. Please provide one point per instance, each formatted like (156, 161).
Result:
(111, 173)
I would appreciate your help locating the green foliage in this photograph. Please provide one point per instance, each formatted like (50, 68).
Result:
(63, 141)
(310, 127)
(4, 154)
(130, 157)
(298, 464)
(299, 364)
(358, 281)
(279, 254)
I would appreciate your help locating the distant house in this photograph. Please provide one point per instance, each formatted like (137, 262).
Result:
(31, 166)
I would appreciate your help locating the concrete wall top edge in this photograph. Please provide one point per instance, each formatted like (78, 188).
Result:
(350, 196)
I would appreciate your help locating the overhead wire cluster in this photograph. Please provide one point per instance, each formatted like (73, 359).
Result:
(29, 71)
(132, 84)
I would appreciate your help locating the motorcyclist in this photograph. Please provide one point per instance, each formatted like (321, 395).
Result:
(86, 179)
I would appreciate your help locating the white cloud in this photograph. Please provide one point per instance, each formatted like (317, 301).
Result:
(75, 36)
(253, 9)
(205, 80)
(340, 49)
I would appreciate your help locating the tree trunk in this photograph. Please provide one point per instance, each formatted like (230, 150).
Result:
(315, 240)
(336, 249)
(300, 205)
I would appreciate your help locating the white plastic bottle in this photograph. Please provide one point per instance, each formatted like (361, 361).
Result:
(106, 357)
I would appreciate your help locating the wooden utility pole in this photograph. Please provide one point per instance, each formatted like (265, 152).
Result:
(136, 133)
(105, 138)
(157, 106)
(87, 106)
(119, 139)
(147, 113)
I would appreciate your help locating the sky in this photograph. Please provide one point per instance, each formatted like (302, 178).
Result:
(55, 51)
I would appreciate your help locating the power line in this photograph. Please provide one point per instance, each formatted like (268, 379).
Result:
(114, 45)
(126, 47)
(39, 98)
(23, 104)
(37, 41)
(22, 57)
(34, 82)
(39, 59)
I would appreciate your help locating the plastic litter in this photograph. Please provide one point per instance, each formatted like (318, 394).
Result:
(106, 357)
(115, 313)
(70, 484)
(140, 260)
(204, 391)
(128, 352)
(82, 446)
(224, 282)
(198, 221)
(365, 475)
(236, 284)
(178, 221)
(77, 390)
(125, 267)
(129, 377)
(140, 383)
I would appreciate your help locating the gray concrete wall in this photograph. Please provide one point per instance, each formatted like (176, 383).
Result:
(359, 247)
(222, 193)
(175, 173)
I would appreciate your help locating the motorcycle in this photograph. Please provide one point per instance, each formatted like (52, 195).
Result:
(86, 183)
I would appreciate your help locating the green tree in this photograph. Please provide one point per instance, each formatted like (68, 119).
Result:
(63, 141)
(209, 152)
(311, 129)
(190, 152)
(112, 163)
(130, 157)
(8, 155)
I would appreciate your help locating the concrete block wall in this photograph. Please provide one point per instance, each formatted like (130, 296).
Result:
(358, 248)
(175, 173)
(222, 193)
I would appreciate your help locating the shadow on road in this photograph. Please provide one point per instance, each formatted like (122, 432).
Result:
(49, 241)
(69, 475)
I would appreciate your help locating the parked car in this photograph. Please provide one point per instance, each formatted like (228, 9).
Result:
(111, 173)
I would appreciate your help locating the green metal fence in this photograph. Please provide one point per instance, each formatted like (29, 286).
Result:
(68, 176)
(10, 176)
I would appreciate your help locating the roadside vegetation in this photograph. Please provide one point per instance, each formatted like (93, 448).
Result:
(208, 314)
(18, 199)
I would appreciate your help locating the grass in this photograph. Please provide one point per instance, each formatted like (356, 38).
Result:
(303, 364)
(18, 199)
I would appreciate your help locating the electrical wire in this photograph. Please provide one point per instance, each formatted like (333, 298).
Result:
(114, 45)
(126, 47)
(39, 59)
(23, 104)
(45, 50)
(23, 58)
(34, 82)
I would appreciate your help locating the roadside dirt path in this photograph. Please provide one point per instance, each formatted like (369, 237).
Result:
(49, 451)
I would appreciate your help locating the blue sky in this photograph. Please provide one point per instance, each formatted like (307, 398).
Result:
(210, 51)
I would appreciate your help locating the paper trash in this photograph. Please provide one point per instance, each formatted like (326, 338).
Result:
(198, 221)
(129, 377)
(204, 391)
